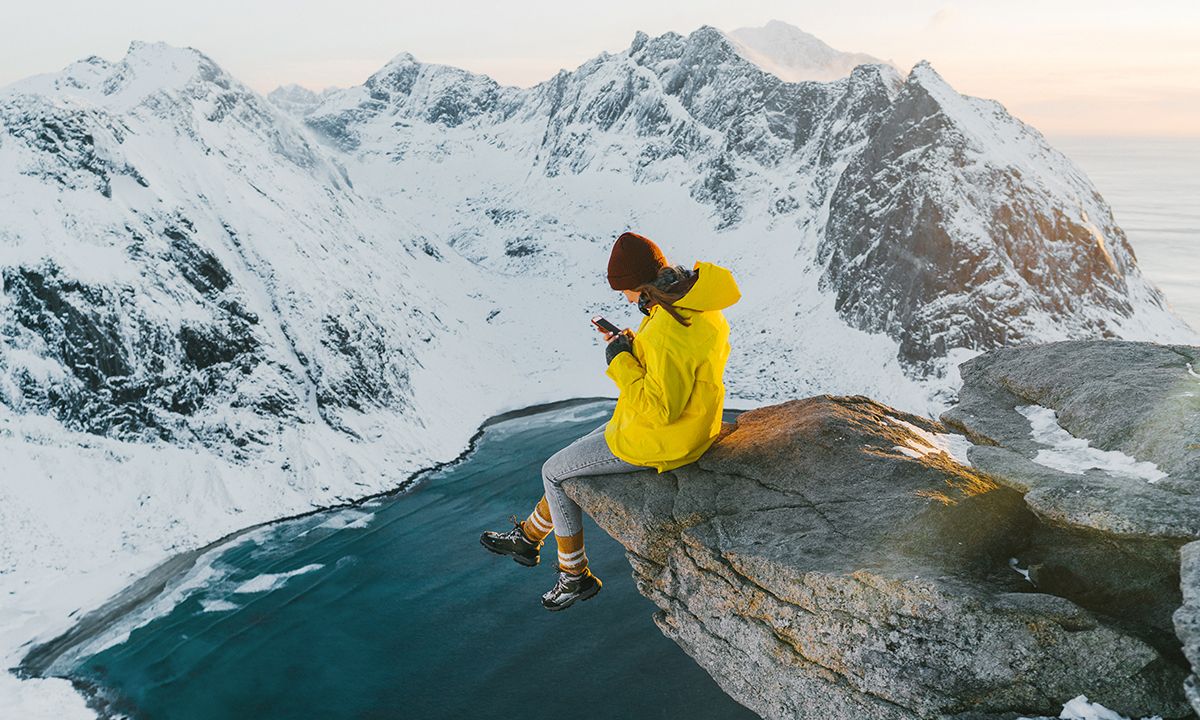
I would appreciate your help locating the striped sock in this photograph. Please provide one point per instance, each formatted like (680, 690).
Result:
(571, 557)
(538, 525)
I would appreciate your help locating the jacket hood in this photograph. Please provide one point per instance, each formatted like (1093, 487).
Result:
(715, 289)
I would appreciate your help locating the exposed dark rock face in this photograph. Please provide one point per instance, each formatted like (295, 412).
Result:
(374, 369)
(122, 372)
(909, 201)
(827, 558)
(66, 140)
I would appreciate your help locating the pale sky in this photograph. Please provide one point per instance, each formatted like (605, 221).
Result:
(1069, 67)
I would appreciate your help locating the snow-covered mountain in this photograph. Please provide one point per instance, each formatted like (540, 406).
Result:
(297, 100)
(936, 219)
(219, 310)
(794, 55)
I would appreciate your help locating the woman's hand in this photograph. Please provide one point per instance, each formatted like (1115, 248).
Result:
(618, 343)
(609, 336)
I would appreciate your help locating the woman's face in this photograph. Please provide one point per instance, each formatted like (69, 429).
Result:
(631, 295)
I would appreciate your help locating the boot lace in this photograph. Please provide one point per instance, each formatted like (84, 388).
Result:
(517, 532)
(560, 586)
(565, 577)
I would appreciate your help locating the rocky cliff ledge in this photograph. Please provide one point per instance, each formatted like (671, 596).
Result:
(834, 557)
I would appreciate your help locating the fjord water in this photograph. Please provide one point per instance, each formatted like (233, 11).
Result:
(1153, 186)
(393, 610)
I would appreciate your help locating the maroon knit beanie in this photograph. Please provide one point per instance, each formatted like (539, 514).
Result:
(634, 260)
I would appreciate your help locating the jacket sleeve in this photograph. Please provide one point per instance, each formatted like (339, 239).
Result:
(659, 391)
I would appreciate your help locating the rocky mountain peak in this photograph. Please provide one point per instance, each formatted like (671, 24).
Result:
(403, 64)
(924, 78)
(702, 50)
(640, 39)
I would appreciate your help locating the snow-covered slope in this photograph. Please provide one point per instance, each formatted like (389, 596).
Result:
(794, 55)
(214, 313)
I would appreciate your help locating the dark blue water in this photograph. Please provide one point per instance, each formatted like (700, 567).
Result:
(393, 610)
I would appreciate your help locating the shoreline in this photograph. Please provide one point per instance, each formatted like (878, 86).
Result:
(38, 660)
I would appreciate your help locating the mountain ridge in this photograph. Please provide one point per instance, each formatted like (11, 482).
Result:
(665, 105)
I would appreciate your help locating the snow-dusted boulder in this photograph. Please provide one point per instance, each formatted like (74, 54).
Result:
(835, 557)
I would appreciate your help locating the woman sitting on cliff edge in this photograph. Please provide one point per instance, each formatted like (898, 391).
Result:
(668, 413)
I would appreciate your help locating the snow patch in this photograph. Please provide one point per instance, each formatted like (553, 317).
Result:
(1012, 563)
(927, 443)
(41, 699)
(1078, 708)
(1076, 455)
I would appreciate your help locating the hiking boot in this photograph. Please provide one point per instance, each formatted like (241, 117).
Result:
(570, 588)
(514, 543)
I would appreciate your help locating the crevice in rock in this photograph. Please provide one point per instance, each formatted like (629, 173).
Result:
(796, 493)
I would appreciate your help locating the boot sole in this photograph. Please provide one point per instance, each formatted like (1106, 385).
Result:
(520, 560)
(580, 597)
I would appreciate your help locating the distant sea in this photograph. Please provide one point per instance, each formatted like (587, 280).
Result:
(1153, 186)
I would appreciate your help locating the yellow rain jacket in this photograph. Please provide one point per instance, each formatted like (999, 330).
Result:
(672, 391)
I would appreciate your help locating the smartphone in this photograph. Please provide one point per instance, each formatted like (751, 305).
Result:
(606, 326)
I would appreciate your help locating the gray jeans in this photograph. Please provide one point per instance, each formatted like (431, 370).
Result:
(589, 455)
